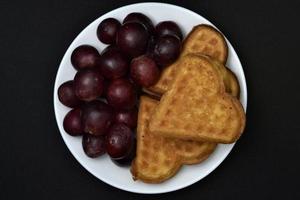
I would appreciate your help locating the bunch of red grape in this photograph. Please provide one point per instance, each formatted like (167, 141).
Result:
(104, 92)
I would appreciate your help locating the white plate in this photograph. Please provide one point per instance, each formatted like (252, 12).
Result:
(102, 167)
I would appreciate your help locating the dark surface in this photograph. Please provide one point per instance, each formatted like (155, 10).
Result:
(35, 162)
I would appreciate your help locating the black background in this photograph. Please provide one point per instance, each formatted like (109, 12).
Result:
(35, 162)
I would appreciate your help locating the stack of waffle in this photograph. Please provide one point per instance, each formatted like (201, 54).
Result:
(198, 109)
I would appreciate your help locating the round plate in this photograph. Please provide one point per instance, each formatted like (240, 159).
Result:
(102, 167)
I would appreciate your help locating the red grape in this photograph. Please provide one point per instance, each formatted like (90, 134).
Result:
(107, 30)
(84, 56)
(119, 141)
(127, 117)
(97, 118)
(121, 94)
(140, 18)
(89, 84)
(168, 28)
(132, 38)
(126, 160)
(72, 122)
(113, 64)
(66, 94)
(93, 146)
(167, 50)
(144, 71)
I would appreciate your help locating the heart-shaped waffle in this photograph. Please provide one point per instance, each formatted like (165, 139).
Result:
(197, 106)
(159, 158)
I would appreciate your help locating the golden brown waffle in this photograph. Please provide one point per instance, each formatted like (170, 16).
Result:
(193, 152)
(206, 40)
(230, 81)
(158, 158)
(232, 84)
(203, 39)
(197, 106)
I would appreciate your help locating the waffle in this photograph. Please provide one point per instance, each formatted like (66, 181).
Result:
(193, 152)
(230, 81)
(206, 40)
(232, 84)
(158, 158)
(197, 106)
(203, 39)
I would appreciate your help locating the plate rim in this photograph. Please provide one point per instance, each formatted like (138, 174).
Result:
(55, 101)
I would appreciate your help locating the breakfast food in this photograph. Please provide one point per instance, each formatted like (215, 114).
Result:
(159, 158)
(203, 39)
(230, 81)
(152, 98)
(197, 106)
(206, 40)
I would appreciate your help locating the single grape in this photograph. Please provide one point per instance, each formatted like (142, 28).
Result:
(107, 30)
(127, 117)
(125, 161)
(93, 146)
(167, 50)
(132, 38)
(144, 71)
(140, 18)
(168, 28)
(72, 122)
(121, 94)
(84, 56)
(113, 64)
(66, 94)
(89, 84)
(97, 117)
(119, 141)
